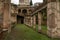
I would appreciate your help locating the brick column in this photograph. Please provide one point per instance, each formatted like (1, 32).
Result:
(34, 22)
(53, 19)
(39, 21)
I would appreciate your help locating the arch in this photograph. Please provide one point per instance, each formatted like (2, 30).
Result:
(19, 10)
(20, 19)
(24, 11)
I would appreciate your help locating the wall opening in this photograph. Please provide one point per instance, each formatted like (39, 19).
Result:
(19, 10)
(24, 11)
(20, 19)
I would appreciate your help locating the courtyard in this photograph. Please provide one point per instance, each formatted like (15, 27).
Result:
(23, 32)
(28, 21)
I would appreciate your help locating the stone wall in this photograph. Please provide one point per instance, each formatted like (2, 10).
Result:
(6, 15)
(53, 17)
(1, 13)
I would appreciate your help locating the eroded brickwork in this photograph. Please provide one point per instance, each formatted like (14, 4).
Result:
(9, 12)
(53, 18)
(6, 14)
(1, 13)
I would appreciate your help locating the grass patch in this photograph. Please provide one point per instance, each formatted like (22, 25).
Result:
(43, 28)
(22, 32)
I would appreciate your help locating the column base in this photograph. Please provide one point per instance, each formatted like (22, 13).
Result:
(53, 34)
(39, 31)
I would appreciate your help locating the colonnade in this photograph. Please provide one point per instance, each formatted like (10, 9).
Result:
(53, 20)
(31, 21)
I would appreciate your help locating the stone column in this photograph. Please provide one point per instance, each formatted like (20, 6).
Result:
(1, 14)
(53, 19)
(27, 21)
(34, 22)
(31, 21)
(6, 15)
(39, 21)
(24, 20)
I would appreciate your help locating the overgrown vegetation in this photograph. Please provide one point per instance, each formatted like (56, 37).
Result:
(22, 32)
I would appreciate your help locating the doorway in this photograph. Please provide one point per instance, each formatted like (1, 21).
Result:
(20, 19)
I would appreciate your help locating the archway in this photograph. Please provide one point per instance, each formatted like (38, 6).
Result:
(20, 19)
(19, 10)
(24, 11)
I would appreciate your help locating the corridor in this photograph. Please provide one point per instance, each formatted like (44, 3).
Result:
(22, 32)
